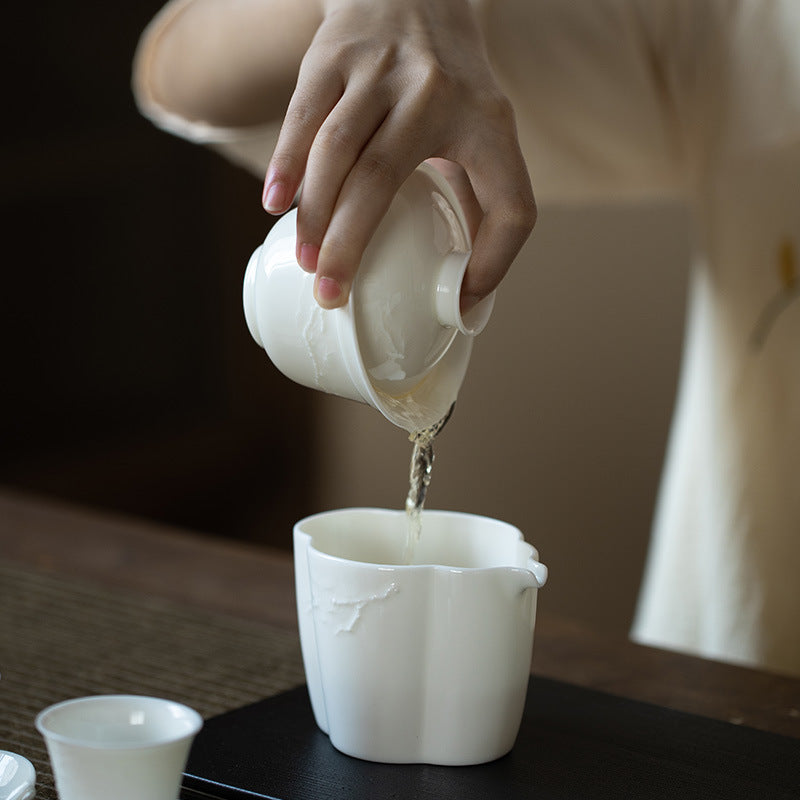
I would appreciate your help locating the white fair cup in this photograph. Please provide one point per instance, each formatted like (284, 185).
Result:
(123, 747)
(416, 663)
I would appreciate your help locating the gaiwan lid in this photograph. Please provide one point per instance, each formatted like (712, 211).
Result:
(400, 343)
(412, 341)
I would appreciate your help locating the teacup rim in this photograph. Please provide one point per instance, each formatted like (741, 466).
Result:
(191, 715)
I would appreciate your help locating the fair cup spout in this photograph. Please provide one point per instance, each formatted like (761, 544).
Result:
(538, 571)
(531, 576)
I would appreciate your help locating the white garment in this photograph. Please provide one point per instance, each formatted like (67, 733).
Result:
(697, 99)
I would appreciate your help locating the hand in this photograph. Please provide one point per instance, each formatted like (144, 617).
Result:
(385, 85)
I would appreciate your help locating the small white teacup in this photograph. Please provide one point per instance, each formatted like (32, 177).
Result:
(124, 747)
(426, 662)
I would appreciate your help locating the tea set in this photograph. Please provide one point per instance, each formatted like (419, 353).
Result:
(418, 656)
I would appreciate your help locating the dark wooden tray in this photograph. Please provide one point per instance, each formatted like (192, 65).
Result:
(574, 744)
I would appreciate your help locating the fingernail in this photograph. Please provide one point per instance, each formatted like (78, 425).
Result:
(327, 292)
(307, 257)
(274, 197)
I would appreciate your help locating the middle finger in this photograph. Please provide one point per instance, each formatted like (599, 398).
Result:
(336, 148)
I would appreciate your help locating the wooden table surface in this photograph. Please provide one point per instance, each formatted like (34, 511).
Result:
(256, 582)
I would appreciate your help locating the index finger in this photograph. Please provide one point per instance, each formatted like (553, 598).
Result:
(315, 95)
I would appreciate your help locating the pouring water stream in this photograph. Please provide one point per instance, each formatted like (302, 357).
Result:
(419, 480)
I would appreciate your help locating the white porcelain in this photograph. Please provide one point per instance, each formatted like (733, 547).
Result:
(17, 777)
(416, 663)
(123, 747)
(400, 344)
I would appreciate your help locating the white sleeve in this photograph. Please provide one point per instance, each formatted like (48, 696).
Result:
(614, 98)
(622, 98)
(249, 147)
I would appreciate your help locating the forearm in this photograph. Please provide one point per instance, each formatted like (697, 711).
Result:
(366, 91)
(226, 63)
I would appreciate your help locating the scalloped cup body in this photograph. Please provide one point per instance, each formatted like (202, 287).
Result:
(419, 663)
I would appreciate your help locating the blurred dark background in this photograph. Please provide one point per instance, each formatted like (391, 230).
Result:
(130, 381)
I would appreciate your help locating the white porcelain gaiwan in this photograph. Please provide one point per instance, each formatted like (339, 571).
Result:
(401, 343)
(416, 663)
